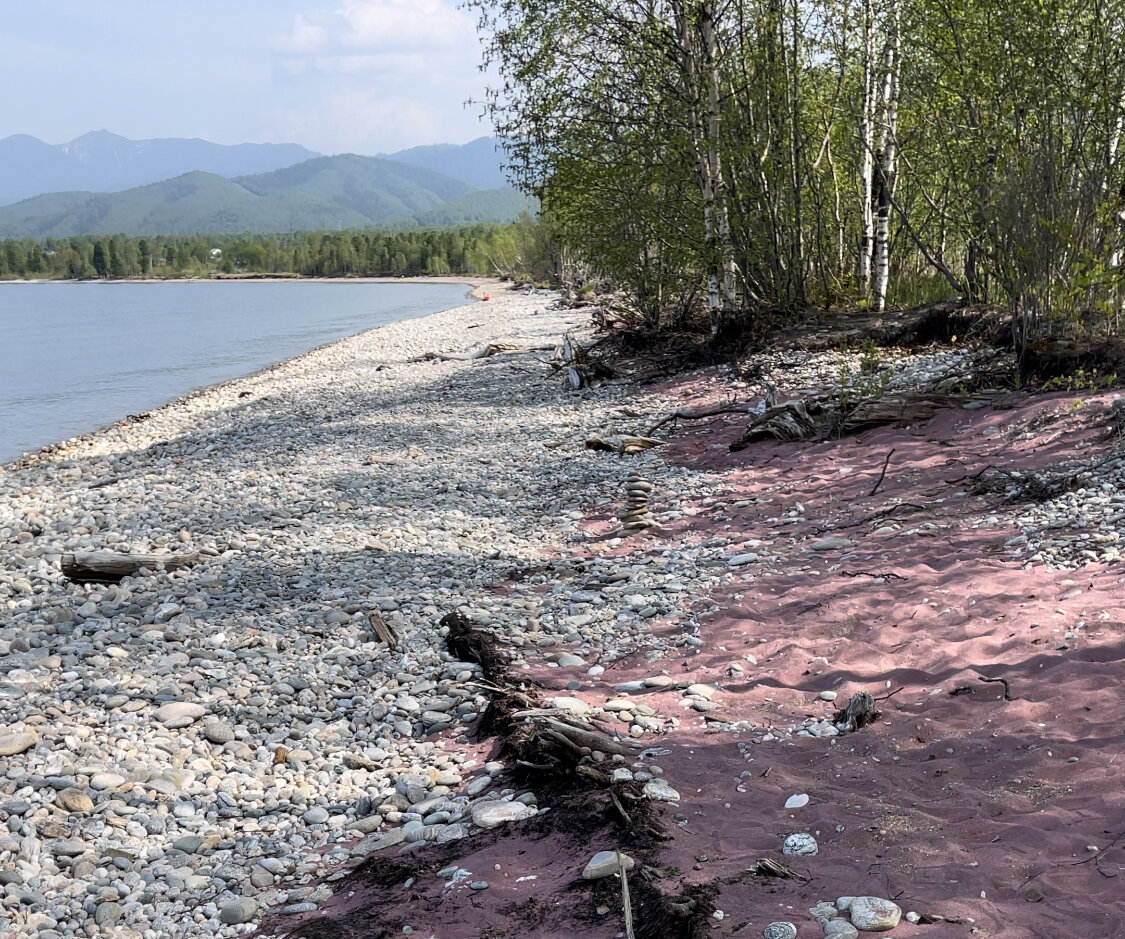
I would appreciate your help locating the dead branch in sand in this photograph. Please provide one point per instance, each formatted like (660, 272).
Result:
(626, 902)
(1003, 681)
(768, 868)
(1034, 487)
(882, 475)
(698, 415)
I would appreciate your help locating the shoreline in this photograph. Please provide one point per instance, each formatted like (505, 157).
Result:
(477, 291)
(476, 283)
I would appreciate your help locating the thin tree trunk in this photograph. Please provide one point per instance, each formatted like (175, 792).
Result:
(885, 181)
(867, 153)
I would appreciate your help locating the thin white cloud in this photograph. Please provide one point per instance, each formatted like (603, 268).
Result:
(387, 73)
(373, 29)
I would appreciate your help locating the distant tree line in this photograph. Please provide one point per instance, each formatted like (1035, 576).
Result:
(486, 249)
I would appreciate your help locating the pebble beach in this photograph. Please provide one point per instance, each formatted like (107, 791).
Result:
(176, 747)
(194, 752)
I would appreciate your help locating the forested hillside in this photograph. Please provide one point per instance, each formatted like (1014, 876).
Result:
(342, 192)
(772, 155)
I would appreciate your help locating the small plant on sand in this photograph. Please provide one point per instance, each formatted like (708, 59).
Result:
(1089, 381)
(872, 379)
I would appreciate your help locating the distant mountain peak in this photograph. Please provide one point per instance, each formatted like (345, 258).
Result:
(102, 161)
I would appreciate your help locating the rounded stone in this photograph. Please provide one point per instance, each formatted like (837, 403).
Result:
(874, 914)
(14, 743)
(604, 864)
(108, 914)
(218, 733)
(797, 801)
(780, 931)
(238, 911)
(74, 800)
(799, 844)
(179, 713)
(317, 815)
(840, 929)
(492, 814)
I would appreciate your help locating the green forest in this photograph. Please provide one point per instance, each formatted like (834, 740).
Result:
(486, 249)
(754, 158)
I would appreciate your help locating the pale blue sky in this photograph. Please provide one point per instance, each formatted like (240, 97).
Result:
(360, 76)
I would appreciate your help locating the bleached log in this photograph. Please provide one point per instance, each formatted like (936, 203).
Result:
(107, 567)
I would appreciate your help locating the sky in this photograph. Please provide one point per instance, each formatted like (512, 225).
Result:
(338, 76)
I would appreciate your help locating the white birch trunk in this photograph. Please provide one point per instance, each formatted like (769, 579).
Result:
(867, 153)
(888, 157)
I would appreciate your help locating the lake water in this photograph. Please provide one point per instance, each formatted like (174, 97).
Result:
(75, 357)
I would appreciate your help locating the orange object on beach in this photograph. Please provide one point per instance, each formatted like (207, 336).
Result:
(486, 297)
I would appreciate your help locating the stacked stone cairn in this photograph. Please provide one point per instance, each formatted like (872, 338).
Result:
(637, 516)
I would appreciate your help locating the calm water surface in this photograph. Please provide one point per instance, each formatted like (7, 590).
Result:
(75, 357)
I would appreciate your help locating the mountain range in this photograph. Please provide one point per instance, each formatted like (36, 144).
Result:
(174, 186)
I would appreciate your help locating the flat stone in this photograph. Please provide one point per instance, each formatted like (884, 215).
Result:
(830, 544)
(189, 844)
(604, 864)
(478, 785)
(179, 713)
(317, 815)
(827, 696)
(565, 703)
(797, 801)
(74, 800)
(238, 911)
(740, 559)
(69, 847)
(218, 733)
(874, 914)
(700, 691)
(366, 825)
(14, 743)
(840, 929)
(780, 931)
(658, 790)
(103, 781)
(492, 814)
(566, 660)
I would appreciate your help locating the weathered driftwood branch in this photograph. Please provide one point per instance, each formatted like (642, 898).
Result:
(479, 352)
(698, 414)
(384, 632)
(621, 443)
(107, 567)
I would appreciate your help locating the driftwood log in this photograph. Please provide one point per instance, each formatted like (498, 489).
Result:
(382, 631)
(621, 443)
(106, 567)
(478, 352)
